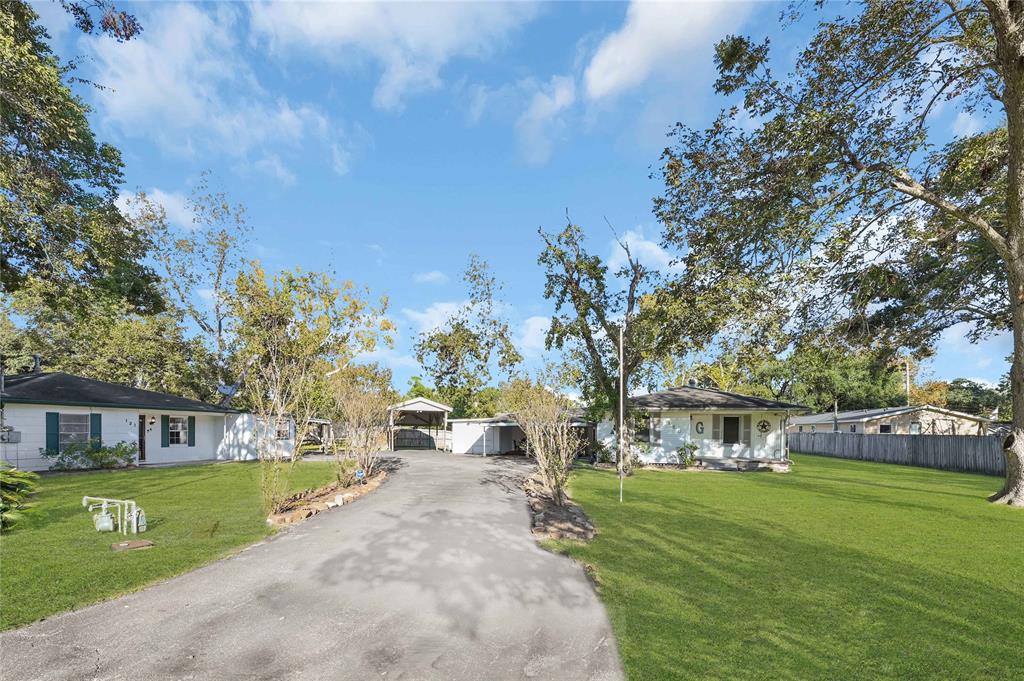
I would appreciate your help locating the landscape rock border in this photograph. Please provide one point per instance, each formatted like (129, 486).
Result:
(310, 502)
(550, 521)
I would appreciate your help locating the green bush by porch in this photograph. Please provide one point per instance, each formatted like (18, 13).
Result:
(840, 569)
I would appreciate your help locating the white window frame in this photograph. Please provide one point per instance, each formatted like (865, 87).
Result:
(885, 432)
(853, 427)
(70, 432)
(283, 426)
(181, 431)
(912, 425)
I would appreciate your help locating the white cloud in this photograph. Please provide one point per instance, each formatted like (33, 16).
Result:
(957, 355)
(542, 119)
(646, 251)
(183, 84)
(434, 316)
(654, 37)
(272, 167)
(341, 159)
(967, 125)
(175, 206)
(411, 42)
(431, 277)
(532, 335)
(389, 358)
(379, 251)
(54, 17)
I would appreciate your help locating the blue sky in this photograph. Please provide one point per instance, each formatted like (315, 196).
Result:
(386, 143)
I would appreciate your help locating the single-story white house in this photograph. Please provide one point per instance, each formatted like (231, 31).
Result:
(500, 434)
(726, 427)
(45, 411)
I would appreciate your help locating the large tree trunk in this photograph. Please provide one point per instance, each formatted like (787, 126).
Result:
(1006, 18)
(1013, 489)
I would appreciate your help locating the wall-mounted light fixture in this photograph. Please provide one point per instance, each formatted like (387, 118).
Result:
(152, 420)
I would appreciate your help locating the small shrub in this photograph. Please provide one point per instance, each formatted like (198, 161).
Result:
(15, 488)
(86, 455)
(687, 454)
(604, 455)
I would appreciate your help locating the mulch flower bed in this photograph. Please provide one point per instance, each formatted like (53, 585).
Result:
(308, 503)
(555, 522)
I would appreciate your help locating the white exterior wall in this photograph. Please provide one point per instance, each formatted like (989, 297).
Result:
(209, 431)
(240, 438)
(118, 425)
(475, 438)
(676, 427)
(217, 436)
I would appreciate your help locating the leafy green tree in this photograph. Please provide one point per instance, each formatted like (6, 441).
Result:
(934, 393)
(976, 398)
(200, 262)
(293, 325)
(459, 355)
(417, 388)
(62, 234)
(591, 303)
(814, 371)
(101, 340)
(843, 169)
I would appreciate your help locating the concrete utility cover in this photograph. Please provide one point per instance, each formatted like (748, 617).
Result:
(433, 576)
(131, 545)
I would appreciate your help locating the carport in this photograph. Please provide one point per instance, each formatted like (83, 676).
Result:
(418, 423)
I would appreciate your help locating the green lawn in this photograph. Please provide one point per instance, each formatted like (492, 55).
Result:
(54, 560)
(840, 570)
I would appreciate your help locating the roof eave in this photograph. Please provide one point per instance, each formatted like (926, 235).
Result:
(107, 405)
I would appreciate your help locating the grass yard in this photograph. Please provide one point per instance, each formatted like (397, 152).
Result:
(840, 570)
(54, 560)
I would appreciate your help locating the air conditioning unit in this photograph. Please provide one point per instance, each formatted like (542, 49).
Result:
(10, 437)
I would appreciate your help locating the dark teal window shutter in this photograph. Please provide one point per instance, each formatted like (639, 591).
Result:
(96, 430)
(52, 431)
(165, 431)
(191, 431)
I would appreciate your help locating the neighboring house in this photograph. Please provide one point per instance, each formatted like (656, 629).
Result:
(725, 427)
(47, 411)
(920, 420)
(501, 434)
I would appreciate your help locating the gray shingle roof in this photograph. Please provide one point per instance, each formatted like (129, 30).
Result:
(692, 397)
(58, 387)
(860, 415)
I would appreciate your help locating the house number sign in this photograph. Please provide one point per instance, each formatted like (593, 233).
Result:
(763, 426)
(699, 427)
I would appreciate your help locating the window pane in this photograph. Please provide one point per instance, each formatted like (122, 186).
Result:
(177, 427)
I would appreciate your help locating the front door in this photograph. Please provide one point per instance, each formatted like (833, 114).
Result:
(142, 437)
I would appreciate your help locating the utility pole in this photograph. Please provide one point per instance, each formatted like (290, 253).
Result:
(620, 459)
(906, 365)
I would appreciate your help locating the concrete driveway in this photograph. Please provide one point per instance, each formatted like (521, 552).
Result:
(433, 576)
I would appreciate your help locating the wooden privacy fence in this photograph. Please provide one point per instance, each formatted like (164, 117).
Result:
(962, 453)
